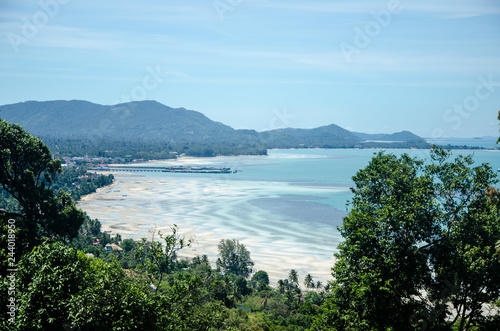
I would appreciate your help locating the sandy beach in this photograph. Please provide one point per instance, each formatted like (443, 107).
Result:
(206, 211)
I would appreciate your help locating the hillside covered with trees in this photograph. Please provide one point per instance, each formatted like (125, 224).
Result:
(149, 127)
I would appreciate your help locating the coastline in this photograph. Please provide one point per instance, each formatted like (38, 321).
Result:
(139, 219)
(89, 197)
(247, 207)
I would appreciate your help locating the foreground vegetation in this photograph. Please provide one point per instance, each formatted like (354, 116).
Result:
(418, 254)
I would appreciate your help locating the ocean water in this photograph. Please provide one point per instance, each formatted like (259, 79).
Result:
(287, 204)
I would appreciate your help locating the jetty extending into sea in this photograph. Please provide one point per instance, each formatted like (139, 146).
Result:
(177, 169)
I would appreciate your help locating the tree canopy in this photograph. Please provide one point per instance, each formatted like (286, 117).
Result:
(419, 247)
(234, 258)
(61, 288)
(161, 257)
(27, 171)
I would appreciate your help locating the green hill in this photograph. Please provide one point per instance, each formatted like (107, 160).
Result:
(331, 136)
(150, 121)
(395, 137)
(144, 120)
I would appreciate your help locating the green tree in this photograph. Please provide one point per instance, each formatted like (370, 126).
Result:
(185, 306)
(282, 285)
(234, 258)
(469, 226)
(160, 255)
(240, 287)
(128, 245)
(308, 281)
(220, 290)
(261, 280)
(27, 171)
(313, 298)
(419, 247)
(60, 288)
(494, 194)
(293, 276)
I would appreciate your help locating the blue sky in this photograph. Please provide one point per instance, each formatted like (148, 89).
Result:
(431, 67)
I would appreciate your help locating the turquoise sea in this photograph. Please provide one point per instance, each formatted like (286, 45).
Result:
(284, 205)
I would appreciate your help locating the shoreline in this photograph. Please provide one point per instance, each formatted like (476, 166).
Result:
(184, 158)
(90, 196)
(276, 257)
(208, 209)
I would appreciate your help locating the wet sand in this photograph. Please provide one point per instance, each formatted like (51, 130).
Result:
(206, 211)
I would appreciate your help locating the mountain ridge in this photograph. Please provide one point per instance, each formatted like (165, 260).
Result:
(152, 121)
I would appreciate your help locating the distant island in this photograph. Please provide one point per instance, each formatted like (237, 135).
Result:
(151, 130)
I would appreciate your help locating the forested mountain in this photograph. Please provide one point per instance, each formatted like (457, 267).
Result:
(150, 121)
(144, 120)
(395, 137)
(330, 136)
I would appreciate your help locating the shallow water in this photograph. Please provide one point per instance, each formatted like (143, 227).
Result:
(285, 206)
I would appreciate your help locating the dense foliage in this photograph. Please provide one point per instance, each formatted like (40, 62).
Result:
(234, 258)
(419, 248)
(27, 172)
(128, 150)
(77, 181)
(61, 288)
